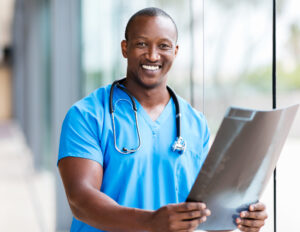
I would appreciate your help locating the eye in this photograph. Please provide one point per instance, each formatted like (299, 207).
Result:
(165, 46)
(141, 44)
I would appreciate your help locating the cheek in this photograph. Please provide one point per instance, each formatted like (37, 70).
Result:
(133, 64)
(169, 60)
(133, 58)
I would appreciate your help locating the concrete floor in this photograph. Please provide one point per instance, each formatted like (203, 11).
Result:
(27, 198)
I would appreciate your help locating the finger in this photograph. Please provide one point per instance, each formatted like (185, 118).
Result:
(260, 215)
(192, 224)
(250, 222)
(189, 206)
(257, 207)
(248, 229)
(192, 214)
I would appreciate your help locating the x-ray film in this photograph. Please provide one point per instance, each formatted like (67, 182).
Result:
(240, 163)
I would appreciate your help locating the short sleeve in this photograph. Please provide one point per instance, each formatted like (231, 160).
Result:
(79, 137)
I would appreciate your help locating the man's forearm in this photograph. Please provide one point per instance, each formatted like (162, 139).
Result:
(98, 210)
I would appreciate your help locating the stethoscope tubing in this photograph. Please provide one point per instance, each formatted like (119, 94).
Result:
(179, 142)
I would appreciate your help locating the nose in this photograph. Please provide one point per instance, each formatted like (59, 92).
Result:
(153, 54)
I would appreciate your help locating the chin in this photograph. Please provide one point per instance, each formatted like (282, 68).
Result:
(147, 82)
(150, 83)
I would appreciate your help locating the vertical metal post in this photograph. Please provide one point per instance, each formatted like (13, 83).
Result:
(28, 74)
(274, 104)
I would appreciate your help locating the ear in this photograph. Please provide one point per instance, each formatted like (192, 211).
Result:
(176, 50)
(124, 48)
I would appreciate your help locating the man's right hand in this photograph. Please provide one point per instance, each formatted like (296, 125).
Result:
(179, 217)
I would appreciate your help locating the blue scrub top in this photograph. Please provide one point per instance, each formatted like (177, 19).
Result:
(153, 176)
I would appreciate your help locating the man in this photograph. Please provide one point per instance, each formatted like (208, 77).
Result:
(120, 175)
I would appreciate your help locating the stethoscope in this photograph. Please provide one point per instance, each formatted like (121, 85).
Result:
(179, 144)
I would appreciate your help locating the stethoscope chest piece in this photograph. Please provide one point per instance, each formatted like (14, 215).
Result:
(179, 145)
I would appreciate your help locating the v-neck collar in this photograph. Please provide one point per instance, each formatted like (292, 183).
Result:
(161, 118)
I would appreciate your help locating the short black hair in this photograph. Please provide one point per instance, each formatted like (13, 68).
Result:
(150, 11)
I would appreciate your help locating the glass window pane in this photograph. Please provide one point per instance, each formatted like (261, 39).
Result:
(288, 85)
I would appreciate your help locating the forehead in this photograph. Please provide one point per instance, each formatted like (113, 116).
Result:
(152, 27)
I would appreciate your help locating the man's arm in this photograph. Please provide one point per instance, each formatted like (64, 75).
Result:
(82, 179)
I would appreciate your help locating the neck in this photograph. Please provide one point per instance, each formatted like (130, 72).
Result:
(148, 97)
(152, 99)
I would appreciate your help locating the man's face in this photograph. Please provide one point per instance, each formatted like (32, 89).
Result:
(150, 49)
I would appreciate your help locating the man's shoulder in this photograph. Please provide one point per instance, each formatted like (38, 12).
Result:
(187, 108)
(91, 105)
(94, 100)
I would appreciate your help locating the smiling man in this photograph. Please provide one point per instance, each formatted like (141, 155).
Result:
(122, 158)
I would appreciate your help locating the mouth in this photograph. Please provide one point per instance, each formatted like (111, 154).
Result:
(151, 67)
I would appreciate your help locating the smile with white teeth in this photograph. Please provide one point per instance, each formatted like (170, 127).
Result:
(151, 67)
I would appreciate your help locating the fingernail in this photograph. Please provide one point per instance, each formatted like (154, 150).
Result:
(251, 207)
(243, 214)
(238, 220)
(239, 226)
(208, 212)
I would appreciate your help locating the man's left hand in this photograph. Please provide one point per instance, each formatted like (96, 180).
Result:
(253, 219)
